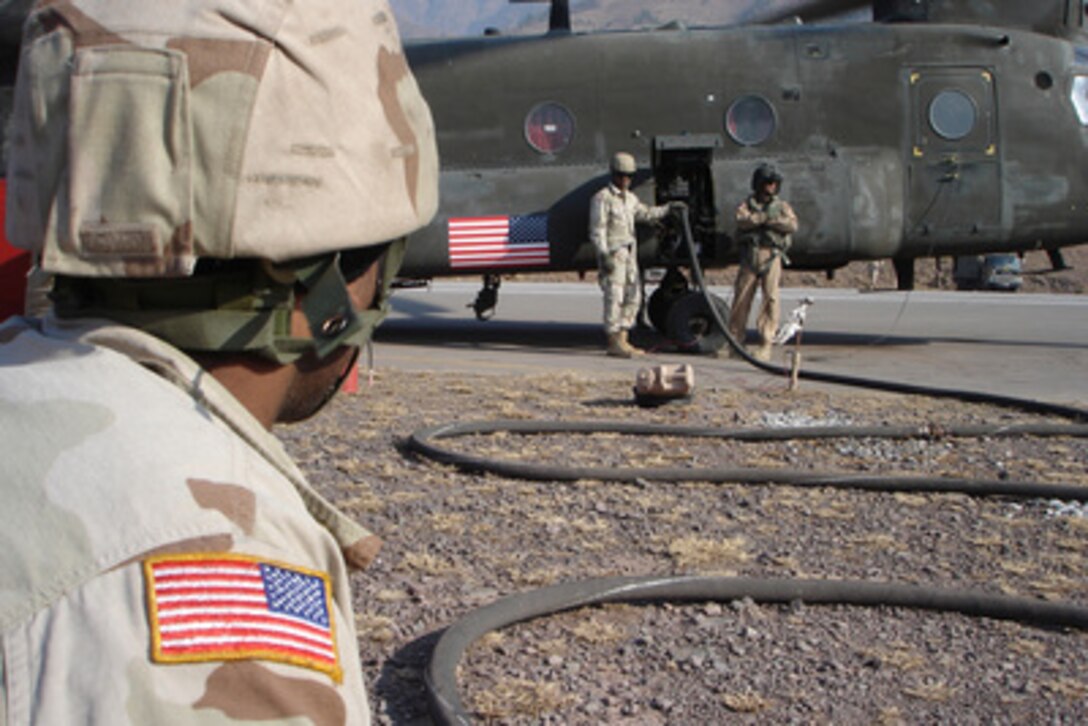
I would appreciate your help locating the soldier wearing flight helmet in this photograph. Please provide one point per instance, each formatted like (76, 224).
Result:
(765, 227)
(220, 189)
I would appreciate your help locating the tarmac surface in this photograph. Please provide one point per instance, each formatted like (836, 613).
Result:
(1024, 345)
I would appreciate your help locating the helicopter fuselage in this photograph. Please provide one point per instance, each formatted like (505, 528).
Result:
(895, 140)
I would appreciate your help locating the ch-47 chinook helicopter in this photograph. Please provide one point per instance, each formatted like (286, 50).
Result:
(943, 127)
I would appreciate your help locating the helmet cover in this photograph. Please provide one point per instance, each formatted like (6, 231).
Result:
(147, 135)
(623, 163)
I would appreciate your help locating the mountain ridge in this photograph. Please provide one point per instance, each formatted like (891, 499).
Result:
(440, 18)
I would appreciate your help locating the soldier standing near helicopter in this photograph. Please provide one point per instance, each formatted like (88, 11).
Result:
(765, 227)
(613, 213)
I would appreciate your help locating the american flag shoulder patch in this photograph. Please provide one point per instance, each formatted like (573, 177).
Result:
(217, 607)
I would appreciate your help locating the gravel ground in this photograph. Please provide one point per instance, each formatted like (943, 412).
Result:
(457, 541)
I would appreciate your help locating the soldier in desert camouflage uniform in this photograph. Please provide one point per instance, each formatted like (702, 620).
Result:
(613, 212)
(219, 177)
(765, 227)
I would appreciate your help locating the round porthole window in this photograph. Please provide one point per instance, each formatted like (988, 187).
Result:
(750, 120)
(549, 128)
(952, 115)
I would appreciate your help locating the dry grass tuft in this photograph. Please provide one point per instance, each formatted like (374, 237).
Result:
(391, 596)
(697, 553)
(897, 655)
(873, 541)
(890, 716)
(492, 640)
(519, 697)
(553, 646)
(911, 500)
(836, 510)
(1017, 568)
(376, 628)
(597, 632)
(1069, 688)
(986, 541)
(536, 578)
(1055, 586)
(405, 497)
(425, 563)
(1031, 648)
(746, 702)
(935, 692)
(447, 523)
(594, 526)
(363, 503)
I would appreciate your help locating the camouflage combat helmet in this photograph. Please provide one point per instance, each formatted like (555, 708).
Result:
(623, 163)
(765, 174)
(188, 167)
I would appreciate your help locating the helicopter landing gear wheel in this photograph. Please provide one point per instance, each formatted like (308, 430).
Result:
(671, 288)
(691, 325)
(487, 298)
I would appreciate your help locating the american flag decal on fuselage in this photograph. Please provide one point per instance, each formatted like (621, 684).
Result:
(499, 241)
(214, 607)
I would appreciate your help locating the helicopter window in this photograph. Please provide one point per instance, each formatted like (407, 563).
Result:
(750, 120)
(549, 128)
(952, 114)
(1079, 96)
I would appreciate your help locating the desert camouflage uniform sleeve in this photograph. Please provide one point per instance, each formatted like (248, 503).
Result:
(647, 213)
(781, 217)
(748, 216)
(112, 467)
(87, 659)
(598, 221)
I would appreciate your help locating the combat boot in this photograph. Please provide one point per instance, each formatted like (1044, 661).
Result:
(631, 350)
(617, 345)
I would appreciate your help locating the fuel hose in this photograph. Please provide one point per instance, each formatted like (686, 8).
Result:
(441, 673)
(424, 442)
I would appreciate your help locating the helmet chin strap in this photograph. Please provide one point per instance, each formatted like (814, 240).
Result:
(328, 308)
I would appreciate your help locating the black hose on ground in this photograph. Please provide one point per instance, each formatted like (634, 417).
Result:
(422, 442)
(441, 674)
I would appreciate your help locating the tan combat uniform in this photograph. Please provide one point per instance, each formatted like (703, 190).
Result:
(612, 217)
(765, 231)
(122, 459)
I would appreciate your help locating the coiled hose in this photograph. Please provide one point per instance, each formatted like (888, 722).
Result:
(441, 674)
